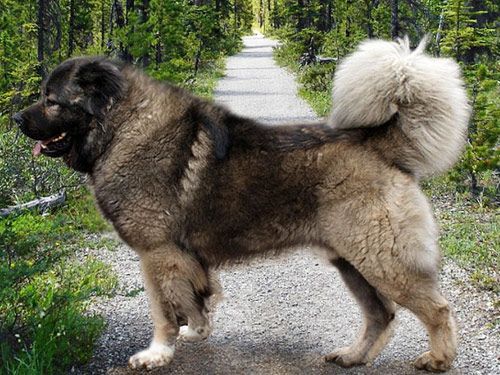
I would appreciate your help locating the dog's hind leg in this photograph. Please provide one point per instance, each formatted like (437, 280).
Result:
(175, 283)
(379, 313)
(420, 294)
(393, 245)
(433, 310)
(405, 269)
(199, 320)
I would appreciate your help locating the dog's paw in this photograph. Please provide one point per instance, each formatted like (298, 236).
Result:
(156, 355)
(189, 334)
(346, 357)
(428, 362)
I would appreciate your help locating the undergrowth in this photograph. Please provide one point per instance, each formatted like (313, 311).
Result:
(315, 80)
(469, 229)
(45, 289)
(206, 80)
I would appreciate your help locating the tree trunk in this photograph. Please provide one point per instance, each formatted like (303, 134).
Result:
(159, 45)
(472, 131)
(42, 204)
(116, 16)
(103, 25)
(197, 60)
(129, 8)
(41, 37)
(222, 7)
(482, 14)
(71, 30)
(438, 33)
(144, 18)
(158, 53)
(261, 14)
(370, 5)
(302, 15)
(395, 19)
(325, 18)
(276, 18)
(457, 31)
(329, 15)
(118, 13)
(236, 11)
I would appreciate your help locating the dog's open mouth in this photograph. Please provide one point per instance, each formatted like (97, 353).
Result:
(53, 147)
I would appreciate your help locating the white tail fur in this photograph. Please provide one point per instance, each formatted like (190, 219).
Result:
(383, 78)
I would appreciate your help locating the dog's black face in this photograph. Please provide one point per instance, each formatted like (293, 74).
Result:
(77, 92)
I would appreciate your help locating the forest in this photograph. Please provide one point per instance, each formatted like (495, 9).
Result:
(44, 291)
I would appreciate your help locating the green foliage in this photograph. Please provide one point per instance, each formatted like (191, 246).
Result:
(463, 33)
(288, 52)
(316, 86)
(320, 101)
(469, 231)
(472, 238)
(482, 156)
(317, 77)
(206, 80)
(45, 291)
(22, 177)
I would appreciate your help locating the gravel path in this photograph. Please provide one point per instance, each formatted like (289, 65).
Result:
(280, 316)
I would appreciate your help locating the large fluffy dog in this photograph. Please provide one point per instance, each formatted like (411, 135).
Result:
(191, 186)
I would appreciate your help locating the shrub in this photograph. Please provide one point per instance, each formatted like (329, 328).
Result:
(317, 77)
(45, 290)
(22, 178)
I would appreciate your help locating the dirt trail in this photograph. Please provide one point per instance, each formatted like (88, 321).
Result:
(280, 316)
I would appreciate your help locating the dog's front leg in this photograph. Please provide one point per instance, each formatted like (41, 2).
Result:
(178, 287)
(161, 350)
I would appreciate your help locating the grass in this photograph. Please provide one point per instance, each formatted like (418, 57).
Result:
(314, 80)
(320, 101)
(181, 73)
(45, 290)
(470, 231)
(472, 238)
(206, 80)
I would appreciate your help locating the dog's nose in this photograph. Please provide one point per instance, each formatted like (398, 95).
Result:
(18, 118)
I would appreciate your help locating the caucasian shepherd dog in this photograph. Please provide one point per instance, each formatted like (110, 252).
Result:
(190, 186)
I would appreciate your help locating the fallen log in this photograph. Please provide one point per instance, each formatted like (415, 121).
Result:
(325, 60)
(41, 204)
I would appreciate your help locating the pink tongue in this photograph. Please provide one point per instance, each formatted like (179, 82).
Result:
(37, 150)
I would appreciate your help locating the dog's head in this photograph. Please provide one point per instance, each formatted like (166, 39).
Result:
(75, 94)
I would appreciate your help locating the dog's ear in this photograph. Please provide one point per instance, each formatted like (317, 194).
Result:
(102, 83)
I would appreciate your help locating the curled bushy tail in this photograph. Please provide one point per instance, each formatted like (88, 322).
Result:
(381, 79)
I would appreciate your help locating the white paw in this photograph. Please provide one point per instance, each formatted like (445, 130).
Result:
(156, 355)
(187, 333)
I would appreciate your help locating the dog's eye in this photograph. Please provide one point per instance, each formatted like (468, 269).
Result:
(51, 103)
